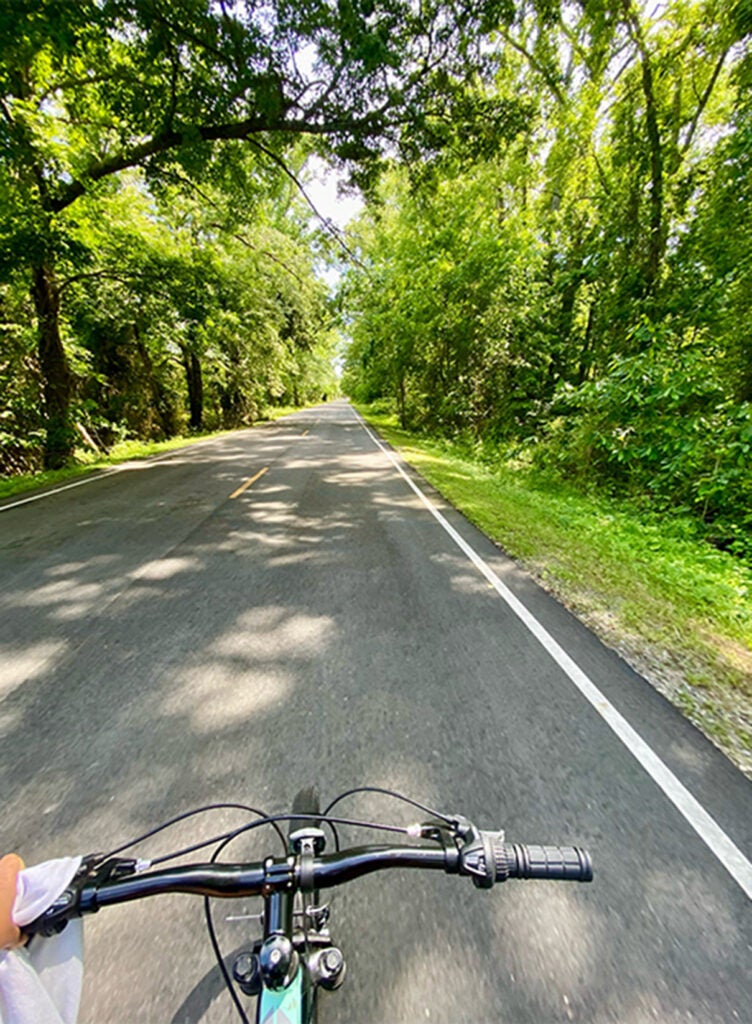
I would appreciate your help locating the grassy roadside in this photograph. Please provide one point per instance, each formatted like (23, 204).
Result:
(88, 462)
(674, 607)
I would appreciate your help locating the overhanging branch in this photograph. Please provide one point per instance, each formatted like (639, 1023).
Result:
(170, 138)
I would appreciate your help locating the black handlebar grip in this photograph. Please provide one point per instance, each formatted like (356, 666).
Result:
(566, 863)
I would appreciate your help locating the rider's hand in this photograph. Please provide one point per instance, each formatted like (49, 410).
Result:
(10, 865)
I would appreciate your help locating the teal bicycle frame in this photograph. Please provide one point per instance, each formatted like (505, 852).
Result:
(285, 1007)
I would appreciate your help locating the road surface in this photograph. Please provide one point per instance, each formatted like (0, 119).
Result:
(185, 630)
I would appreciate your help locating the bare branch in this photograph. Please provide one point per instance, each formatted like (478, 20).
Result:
(110, 275)
(264, 252)
(175, 65)
(6, 111)
(537, 66)
(182, 32)
(77, 83)
(330, 88)
(704, 101)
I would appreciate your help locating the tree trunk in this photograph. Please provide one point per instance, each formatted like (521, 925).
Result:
(587, 346)
(56, 374)
(657, 237)
(401, 401)
(195, 383)
(559, 364)
(161, 399)
(657, 242)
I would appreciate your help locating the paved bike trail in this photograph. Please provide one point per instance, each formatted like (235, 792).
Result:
(164, 645)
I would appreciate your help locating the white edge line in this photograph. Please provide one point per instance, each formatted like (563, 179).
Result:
(121, 468)
(706, 827)
(58, 490)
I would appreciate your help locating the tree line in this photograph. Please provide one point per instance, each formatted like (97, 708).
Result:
(579, 296)
(118, 115)
(175, 314)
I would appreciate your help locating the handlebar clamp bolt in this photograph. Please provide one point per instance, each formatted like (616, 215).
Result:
(333, 960)
(328, 968)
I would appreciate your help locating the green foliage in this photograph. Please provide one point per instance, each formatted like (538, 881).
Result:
(89, 90)
(581, 289)
(449, 310)
(177, 312)
(21, 424)
(659, 424)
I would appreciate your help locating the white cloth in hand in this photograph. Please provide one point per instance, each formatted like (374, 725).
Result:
(42, 985)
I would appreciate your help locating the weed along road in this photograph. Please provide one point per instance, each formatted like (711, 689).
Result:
(291, 604)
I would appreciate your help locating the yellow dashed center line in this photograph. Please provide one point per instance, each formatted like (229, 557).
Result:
(247, 484)
(304, 433)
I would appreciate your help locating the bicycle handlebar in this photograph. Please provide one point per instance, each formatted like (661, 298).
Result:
(231, 881)
(486, 858)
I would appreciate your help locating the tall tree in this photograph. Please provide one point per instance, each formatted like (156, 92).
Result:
(91, 87)
(178, 302)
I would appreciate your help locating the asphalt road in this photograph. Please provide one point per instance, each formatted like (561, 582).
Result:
(165, 645)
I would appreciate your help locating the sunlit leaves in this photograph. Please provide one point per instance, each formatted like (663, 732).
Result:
(580, 285)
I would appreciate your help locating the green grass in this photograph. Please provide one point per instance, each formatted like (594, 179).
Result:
(677, 608)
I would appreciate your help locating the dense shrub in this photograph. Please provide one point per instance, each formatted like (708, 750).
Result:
(658, 424)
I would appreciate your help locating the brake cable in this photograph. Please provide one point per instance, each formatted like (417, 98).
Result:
(224, 839)
(182, 817)
(386, 792)
(288, 816)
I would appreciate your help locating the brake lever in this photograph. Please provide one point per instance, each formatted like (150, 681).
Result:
(452, 834)
(462, 827)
